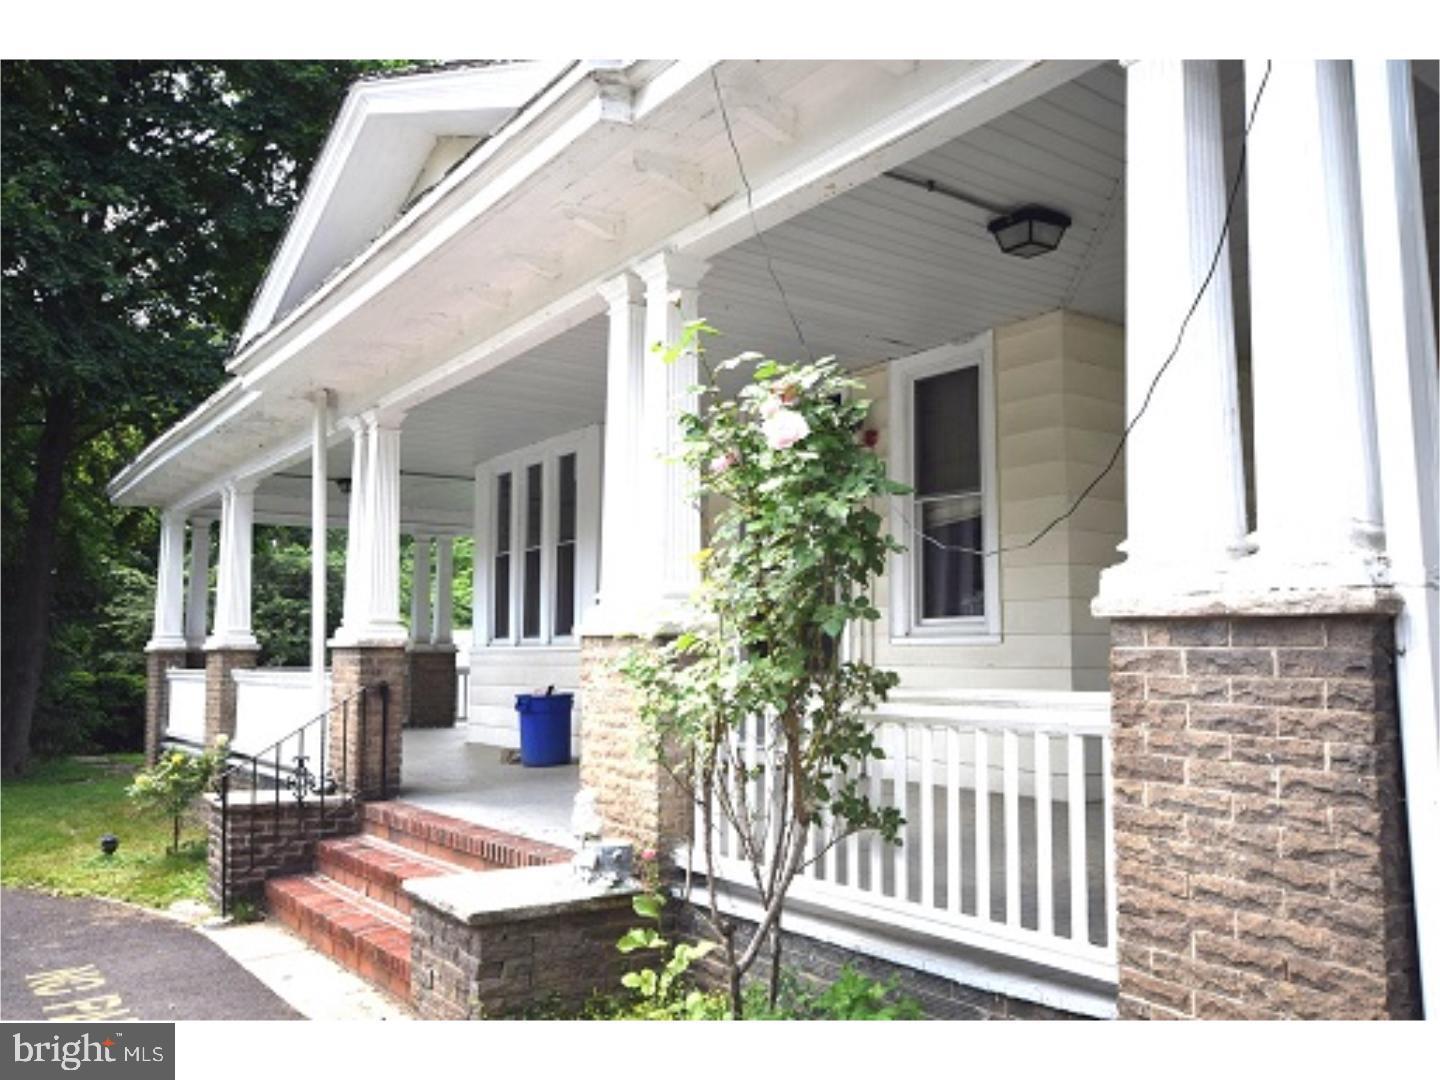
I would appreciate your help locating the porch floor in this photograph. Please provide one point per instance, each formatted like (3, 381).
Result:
(442, 772)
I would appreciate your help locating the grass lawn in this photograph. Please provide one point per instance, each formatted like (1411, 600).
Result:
(51, 822)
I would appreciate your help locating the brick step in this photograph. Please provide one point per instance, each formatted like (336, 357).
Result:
(357, 932)
(466, 845)
(376, 868)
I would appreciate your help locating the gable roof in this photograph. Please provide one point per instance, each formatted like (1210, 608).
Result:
(394, 137)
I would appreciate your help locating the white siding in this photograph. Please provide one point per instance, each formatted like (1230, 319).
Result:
(498, 673)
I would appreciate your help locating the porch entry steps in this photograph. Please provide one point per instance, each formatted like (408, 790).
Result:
(353, 908)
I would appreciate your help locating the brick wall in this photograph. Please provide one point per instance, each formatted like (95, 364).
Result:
(372, 748)
(819, 963)
(432, 688)
(1261, 857)
(464, 972)
(157, 697)
(264, 840)
(636, 797)
(220, 689)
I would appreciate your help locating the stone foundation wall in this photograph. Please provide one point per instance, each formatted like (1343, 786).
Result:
(1261, 856)
(370, 760)
(263, 840)
(432, 688)
(819, 963)
(157, 697)
(637, 799)
(464, 972)
(221, 692)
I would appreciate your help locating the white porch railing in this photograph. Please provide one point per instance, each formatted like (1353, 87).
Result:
(270, 703)
(185, 704)
(1008, 836)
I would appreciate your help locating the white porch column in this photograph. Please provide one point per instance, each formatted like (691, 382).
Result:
(442, 633)
(1402, 349)
(197, 598)
(665, 499)
(624, 413)
(420, 590)
(1319, 522)
(319, 537)
(381, 623)
(168, 631)
(232, 603)
(356, 567)
(1184, 472)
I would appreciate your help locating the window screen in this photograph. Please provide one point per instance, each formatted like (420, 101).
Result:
(565, 550)
(501, 590)
(950, 577)
(534, 509)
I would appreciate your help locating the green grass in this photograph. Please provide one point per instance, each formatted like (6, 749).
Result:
(51, 822)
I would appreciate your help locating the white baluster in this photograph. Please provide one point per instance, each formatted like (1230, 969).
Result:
(1079, 898)
(1044, 856)
(952, 822)
(900, 739)
(1011, 751)
(982, 825)
(927, 817)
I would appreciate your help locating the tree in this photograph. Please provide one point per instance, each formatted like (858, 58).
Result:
(794, 555)
(141, 200)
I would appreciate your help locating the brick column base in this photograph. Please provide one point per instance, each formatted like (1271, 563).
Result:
(432, 687)
(1261, 856)
(369, 726)
(157, 696)
(637, 798)
(220, 689)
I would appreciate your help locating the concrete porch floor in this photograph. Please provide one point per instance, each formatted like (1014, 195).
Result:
(440, 771)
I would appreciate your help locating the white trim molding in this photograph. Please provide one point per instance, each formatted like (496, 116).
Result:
(906, 627)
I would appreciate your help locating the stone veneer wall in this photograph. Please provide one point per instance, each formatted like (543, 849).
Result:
(221, 692)
(464, 972)
(637, 799)
(264, 839)
(432, 688)
(157, 697)
(1261, 856)
(372, 748)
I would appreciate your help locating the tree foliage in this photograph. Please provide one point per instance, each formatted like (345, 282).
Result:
(140, 203)
(795, 553)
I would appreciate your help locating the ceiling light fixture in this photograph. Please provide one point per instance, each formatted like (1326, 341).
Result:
(1025, 231)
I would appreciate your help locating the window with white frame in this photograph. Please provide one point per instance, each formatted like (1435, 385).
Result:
(538, 518)
(942, 443)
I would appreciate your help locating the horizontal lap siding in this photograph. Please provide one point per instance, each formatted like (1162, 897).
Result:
(1059, 384)
(498, 674)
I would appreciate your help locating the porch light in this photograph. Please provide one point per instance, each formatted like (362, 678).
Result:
(1029, 231)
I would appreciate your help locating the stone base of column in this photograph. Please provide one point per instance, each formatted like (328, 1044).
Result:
(432, 687)
(220, 689)
(1262, 865)
(637, 798)
(157, 696)
(366, 720)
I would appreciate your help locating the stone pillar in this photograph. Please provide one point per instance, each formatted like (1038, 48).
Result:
(1260, 840)
(1319, 522)
(197, 597)
(432, 653)
(232, 644)
(157, 696)
(635, 796)
(1185, 486)
(369, 661)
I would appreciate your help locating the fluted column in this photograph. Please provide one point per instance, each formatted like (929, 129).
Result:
(232, 603)
(1319, 522)
(197, 599)
(168, 631)
(420, 590)
(443, 631)
(624, 414)
(1184, 471)
(382, 531)
(356, 567)
(665, 498)
(319, 540)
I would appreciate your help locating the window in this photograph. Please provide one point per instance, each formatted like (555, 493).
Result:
(942, 446)
(538, 515)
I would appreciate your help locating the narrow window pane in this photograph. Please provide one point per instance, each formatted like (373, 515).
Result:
(534, 510)
(500, 587)
(567, 498)
(952, 582)
(534, 504)
(947, 433)
(565, 550)
(532, 593)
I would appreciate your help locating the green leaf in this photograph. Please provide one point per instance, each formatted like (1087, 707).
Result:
(648, 905)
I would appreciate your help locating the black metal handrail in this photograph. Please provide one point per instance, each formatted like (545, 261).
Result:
(286, 768)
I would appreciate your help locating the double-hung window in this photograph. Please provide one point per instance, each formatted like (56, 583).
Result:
(945, 586)
(538, 517)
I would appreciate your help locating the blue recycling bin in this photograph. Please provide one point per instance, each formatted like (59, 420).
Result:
(544, 728)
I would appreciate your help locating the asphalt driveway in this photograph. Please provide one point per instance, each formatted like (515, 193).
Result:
(77, 959)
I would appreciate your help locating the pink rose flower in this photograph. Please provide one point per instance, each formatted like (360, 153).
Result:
(784, 429)
(721, 462)
(770, 406)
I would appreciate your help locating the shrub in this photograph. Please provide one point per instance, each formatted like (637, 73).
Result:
(175, 781)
